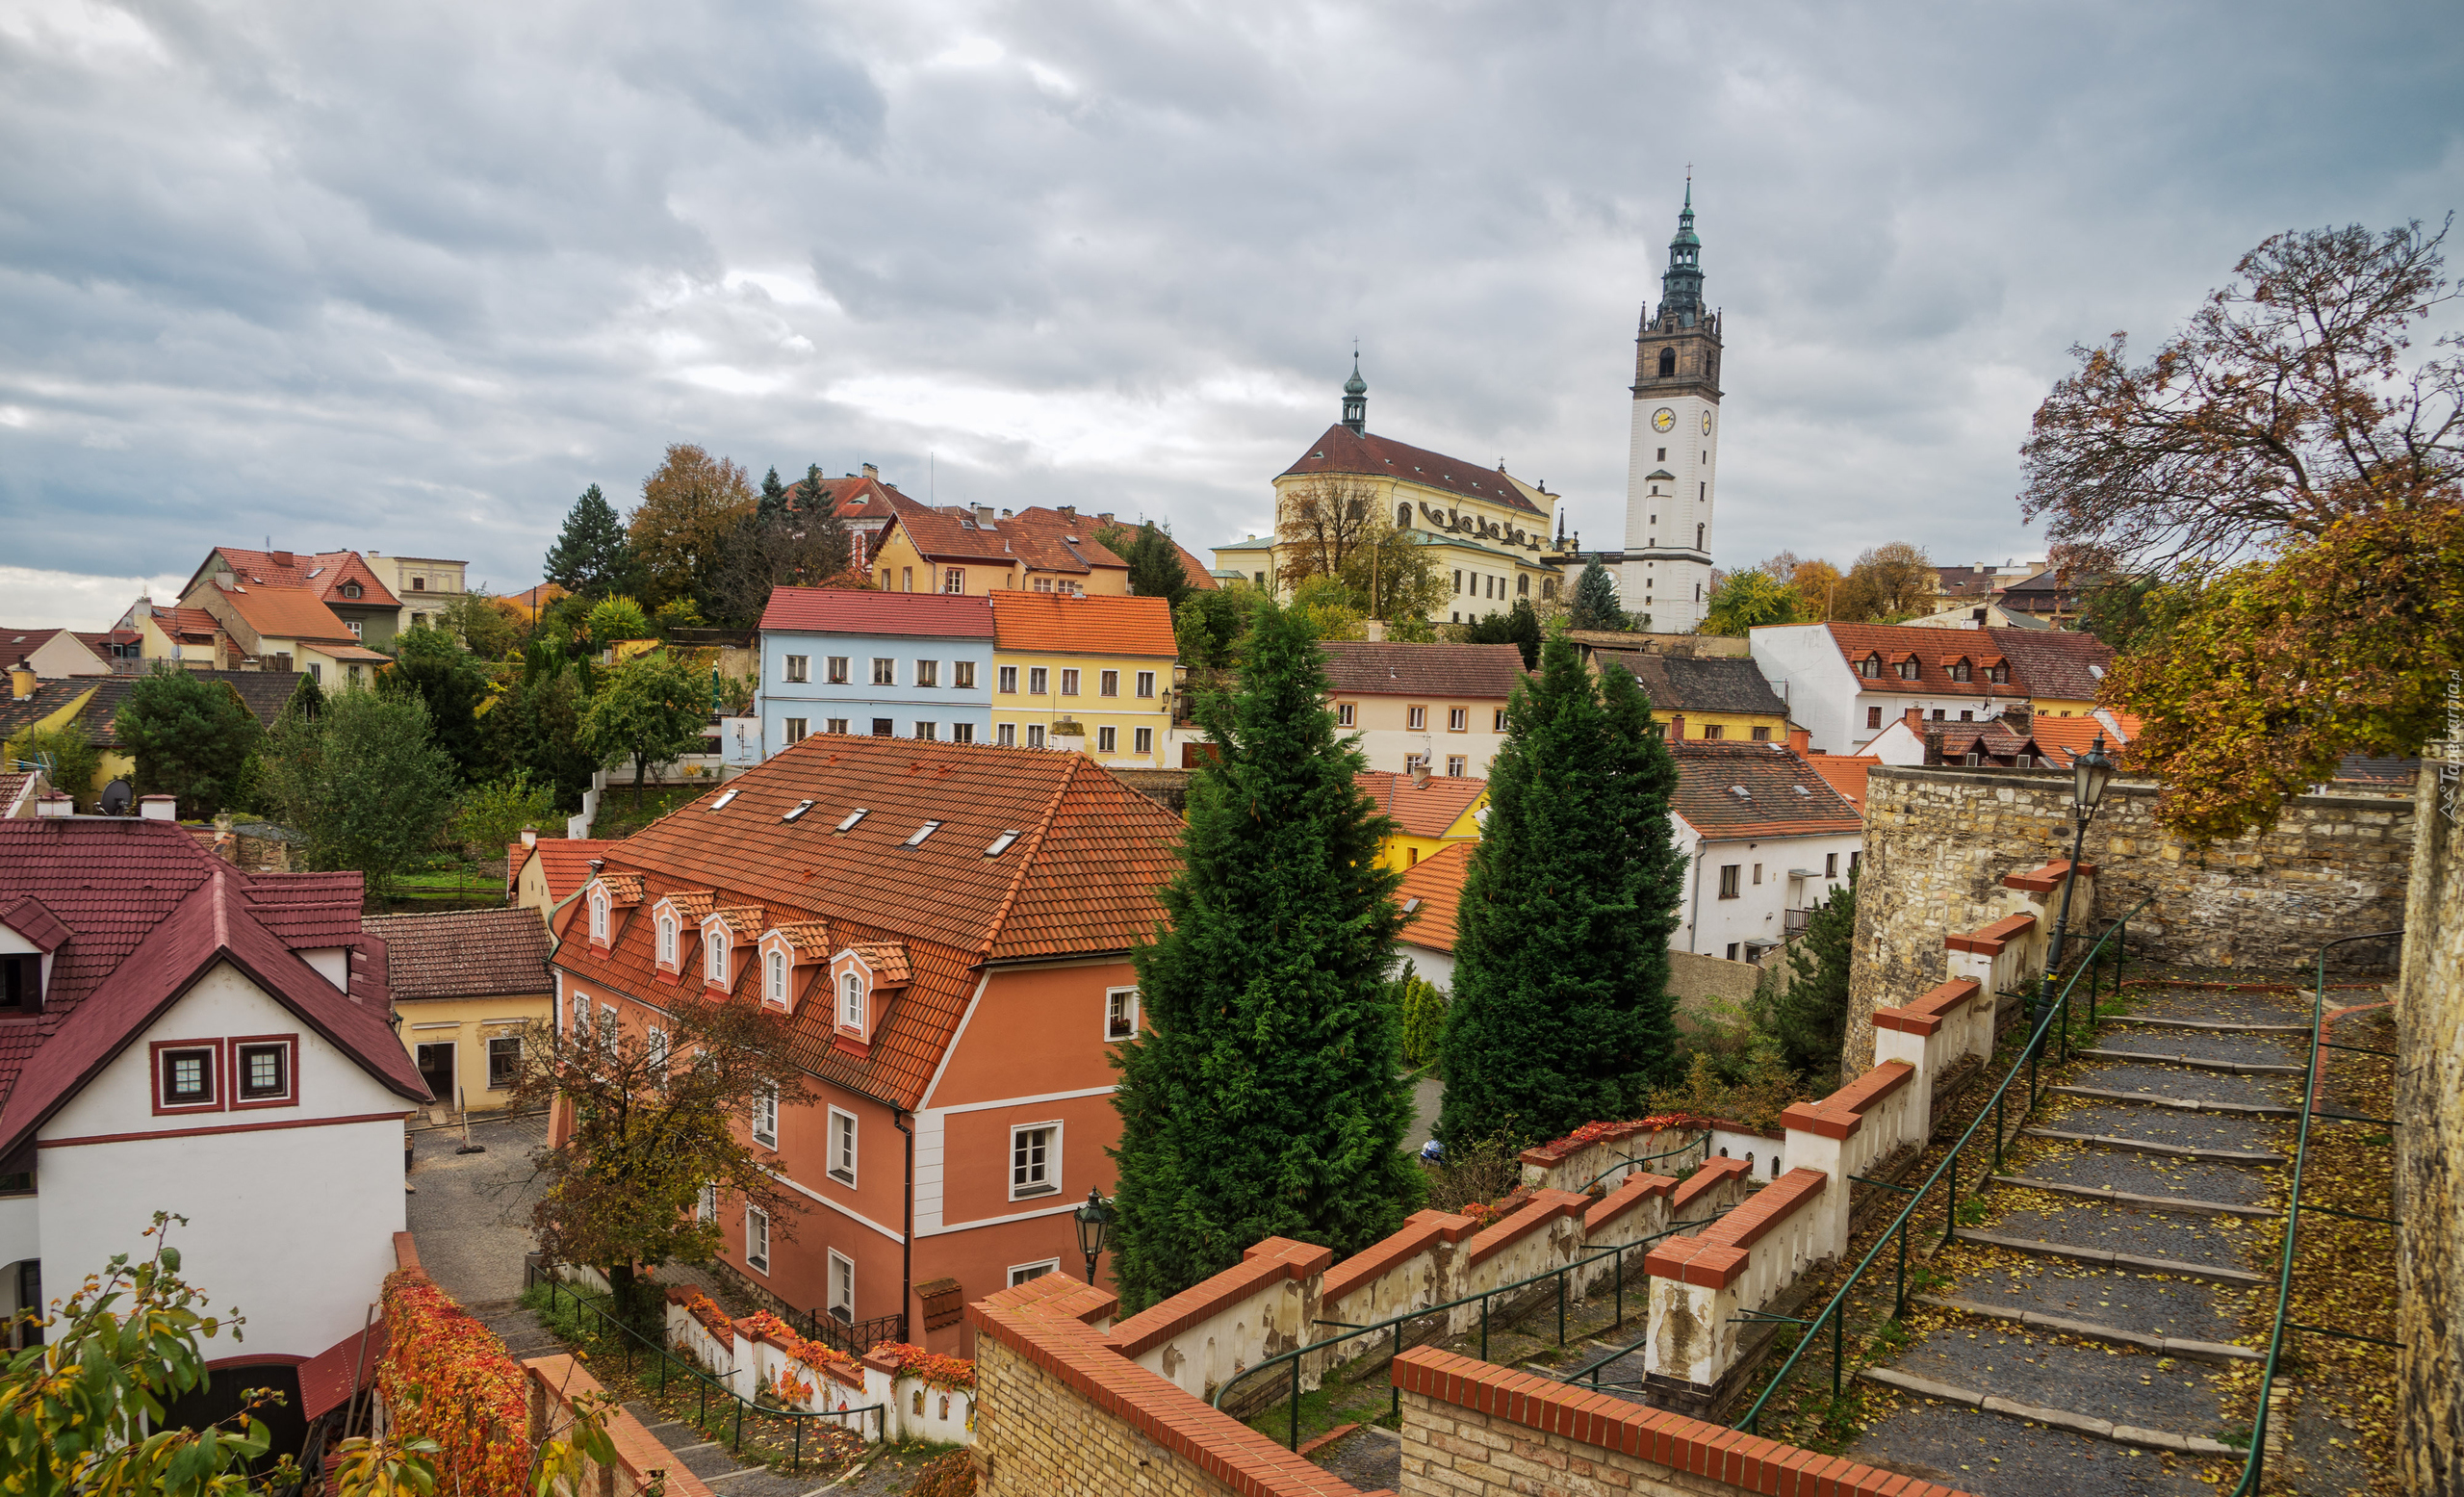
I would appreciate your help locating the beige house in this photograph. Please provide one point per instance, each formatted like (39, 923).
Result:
(1438, 707)
(55, 653)
(288, 629)
(425, 585)
(464, 983)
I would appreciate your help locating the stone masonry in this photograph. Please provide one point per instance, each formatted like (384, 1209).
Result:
(2429, 1184)
(1938, 840)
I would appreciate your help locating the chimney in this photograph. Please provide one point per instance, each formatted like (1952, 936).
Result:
(226, 844)
(1800, 739)
(872, 472)
(984, 514)
(530, 836)
(2018, 717)
(1067, 511)
(159, 808)
(1914, 718)
(1104, 518)
(1374, 629)
(55, 803)
(1420, 774)
(1004, 514)
(1934, 747)
(282, 558)
(22, 683)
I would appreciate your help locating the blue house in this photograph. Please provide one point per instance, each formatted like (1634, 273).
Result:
(893, 665)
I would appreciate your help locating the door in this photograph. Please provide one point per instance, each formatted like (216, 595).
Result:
(436, 1068)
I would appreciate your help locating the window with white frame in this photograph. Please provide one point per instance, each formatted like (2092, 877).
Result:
(1457, 766)
(262, 1072)
(608, 1026)
(654, 1041)
(885, 671)
(667, 940)
(1416, 719)
(599, 917)
(799, 666)
(1414, 762)
(1107, 739)
(1035, 734)
(1009, 678)
(756, 1239)
(185, 1076)
(776, 985)
(1036, 677)
(851, 999)
(842, 1286)
(796, 729)
(1500, 724)
(963, 674)
(837, 670)
(581, 1028)
(1108, 683)
(1029, 1273)
(1458, 719)
(1346, 715)
(765, 1117)
(928, 673)
(842, 1147)
(1005, 735)
(708, 1205)
(1146, 739)
(1069, 681)
(1035, 1160)
(714, 954)
(1146, 683)
(1120, 1012)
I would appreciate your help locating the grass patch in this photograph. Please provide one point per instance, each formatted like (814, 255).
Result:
(622, 812)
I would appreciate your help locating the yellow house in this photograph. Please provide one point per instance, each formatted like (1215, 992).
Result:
(1432, 812)
(183, 634)
(1699, 698)
(973, 553)
(1076, 671)
(84, 701)
(465, 983)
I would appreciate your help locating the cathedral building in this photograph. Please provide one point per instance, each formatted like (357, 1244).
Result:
(1665, 569)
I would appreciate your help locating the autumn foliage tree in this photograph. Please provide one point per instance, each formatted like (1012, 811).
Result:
(2291, 480)
(678, 534)
(1891, 582)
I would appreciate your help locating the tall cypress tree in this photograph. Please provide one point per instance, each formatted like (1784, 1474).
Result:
(1265, 1097)
(1562, 1014)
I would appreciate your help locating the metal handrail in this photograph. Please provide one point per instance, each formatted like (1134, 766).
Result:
(1395, 1324)
(2257, 1457)
(535, 1273)
(1835, 1311)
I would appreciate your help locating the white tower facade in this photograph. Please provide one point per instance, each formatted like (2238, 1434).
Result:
(1673, 467)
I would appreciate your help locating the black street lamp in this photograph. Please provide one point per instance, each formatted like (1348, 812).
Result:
(2091, 774)
(1095, 1225)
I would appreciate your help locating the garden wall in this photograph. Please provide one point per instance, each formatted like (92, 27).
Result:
(2429, 1182)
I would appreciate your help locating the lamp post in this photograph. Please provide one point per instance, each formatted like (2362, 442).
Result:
(1095, 1225)
(2091, 774)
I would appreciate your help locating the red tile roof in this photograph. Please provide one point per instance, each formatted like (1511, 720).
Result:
(463, 953)
(564, 862)
(1082, 625)
(1437, 883)
(2055, 662)
(286, 613)
(849, 610)
(1846, 774)
(147, 911)
(2065, 738)
(1933, 650)
(1079, 880)
(1357, 668)
(1343, 451)
(1783, 794)
(323, 573)
(1425, 809)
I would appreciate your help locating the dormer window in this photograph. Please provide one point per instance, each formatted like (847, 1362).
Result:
(599, 917)
(667, 933)
(714, 956)
(774, 978)
(1907, 669)
(1870, 666)
(350, 589)
(1999, 675)
(1961, 670)
(851, 1001)
(20, 984)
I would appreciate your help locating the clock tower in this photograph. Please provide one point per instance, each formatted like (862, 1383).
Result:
(1672, 466)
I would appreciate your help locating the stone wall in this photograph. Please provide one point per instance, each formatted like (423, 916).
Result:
(1938, 842)
(2429, 1185)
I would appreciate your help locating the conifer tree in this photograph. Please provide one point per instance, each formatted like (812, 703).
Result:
(1808, 1017)
(1561, 1012)
(1595, 604)
(592, 555)
(773, 502)
(1265, 1097)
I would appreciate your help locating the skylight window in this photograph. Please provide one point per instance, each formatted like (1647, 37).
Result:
(725, 796)
(923, 832)
(1001, 844)
(800, 807)
(1409, 905)
(1740, 791)
(854, 817)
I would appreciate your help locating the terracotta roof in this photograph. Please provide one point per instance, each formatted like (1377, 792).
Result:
(1687, 684)
(1341, 450)
(286, 613)
(1845, 773)
(941, 536)
(888, 961)
(12, 784)
(744, 922)
(1385, 668)
(691, 904)
(463, 953)
(1051, 541)
(1437, 883)
(148, 911)
(2055, 662)
(2062, 740)
(1784, 795)
(325, 572)
(325, 1379)
(1078, 880)
(849, 610)
(1895, 642)
(266, 692)
(1424, 810)
(193, 626)
(811, 938)
(17, 643)
(1082, 625)
(564, 862)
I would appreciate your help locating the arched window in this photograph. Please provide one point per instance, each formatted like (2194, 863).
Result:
(1402, 517)
(1697, 538)
(851, 1001)
(667, 939)
(1908, 670)
(599, 917)
(1667, 362)
(1999, 674)
(1870, 666)
(779, 978)
(714, 961)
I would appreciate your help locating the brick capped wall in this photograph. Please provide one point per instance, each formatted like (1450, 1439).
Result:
(1939, 842)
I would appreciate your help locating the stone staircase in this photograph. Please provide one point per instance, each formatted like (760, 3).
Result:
(695, 1452)
(2079, 1338)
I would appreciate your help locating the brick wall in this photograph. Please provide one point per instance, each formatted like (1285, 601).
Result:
(1939, 843)
(1472, 1430)
(642, 1463)
(2429, 1181)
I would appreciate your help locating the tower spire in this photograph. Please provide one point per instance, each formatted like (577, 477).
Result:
(1681, 284)
(1357, 394)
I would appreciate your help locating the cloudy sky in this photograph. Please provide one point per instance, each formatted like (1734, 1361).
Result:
(406, 278)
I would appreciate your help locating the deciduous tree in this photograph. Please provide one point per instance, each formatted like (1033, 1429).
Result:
(689, 509)
(1318, 523)
(364, 782)
(1265, 1096)
(1561, 1012)
(70, 757)
(450, 683)
(651, 708)
(592, 558)
(191, 736)
(1392, 575)
(1745, 600)
(792, 538)
(1890, 582)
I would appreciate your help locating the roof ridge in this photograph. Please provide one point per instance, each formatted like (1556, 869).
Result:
(1026, 864)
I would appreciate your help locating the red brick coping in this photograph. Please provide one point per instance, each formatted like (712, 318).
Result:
(1715, 1257)
(2047, 878)
(1632, 1192)
(1843, 1112)
(1926, 1014)
(1422, 1232)
(1269, 1263)
(1544, 1207)
(1990, 940)
(1218, 1445)
(1731, 1456)
(638, 1452)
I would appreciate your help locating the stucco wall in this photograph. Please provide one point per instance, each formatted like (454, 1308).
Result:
(2429, 1186)
(1939, 842)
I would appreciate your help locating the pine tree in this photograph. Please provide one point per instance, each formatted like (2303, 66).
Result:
(826, 550)
(592, 556)
(1266, 1097)
(1595, 604)
(773, 502)
(1561, 1012)
(1518, 626)
(1808, 1018)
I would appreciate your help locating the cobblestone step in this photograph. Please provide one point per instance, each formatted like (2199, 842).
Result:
(2039, 1247)
(2110, 1197)
(2180, 1152)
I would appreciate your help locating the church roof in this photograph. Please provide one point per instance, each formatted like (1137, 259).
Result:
(1343, 450)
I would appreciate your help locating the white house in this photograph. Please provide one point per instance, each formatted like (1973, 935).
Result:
(179, 1035)
(1767, 838)
(1437, 705)
(1845, 683)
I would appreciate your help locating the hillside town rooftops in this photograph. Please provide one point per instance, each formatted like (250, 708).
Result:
(330, 575)
(1426, 806)
(1730, 790)
(1089, 625)
(1699, 683)
(1343, 452)
(286, 613)
(855, 610)
(2056, 662)
(1357, 668)
(1430, 893)
(463, 953)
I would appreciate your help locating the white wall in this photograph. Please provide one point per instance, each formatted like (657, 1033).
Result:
(293, 1224)
(1827, 698)
(1711, 923)
(1434, 966)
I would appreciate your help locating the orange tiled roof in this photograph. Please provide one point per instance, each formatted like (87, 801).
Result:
(1422, 810)
(563, 861)
(745, 921)
(810, 937)
(2065, 738)
(286, 613)
(324, 574)
(1846, 773)
(1783, 796)
(1082, 625)
(1896, 642)
(691, 904)
(1079, 879)
(888, 961)
(1437, 883)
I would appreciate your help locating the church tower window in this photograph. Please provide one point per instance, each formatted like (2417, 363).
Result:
(1667, 362)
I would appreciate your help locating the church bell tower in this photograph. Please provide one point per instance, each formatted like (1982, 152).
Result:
(1672, 465)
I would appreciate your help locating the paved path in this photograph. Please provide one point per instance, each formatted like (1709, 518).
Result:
(470, 1214)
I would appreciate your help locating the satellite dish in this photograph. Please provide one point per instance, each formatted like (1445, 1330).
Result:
(116, 797)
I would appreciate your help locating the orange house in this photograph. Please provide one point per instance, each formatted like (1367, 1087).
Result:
(949, 927)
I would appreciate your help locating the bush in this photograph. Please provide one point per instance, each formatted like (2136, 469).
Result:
(950, 1475)
(73, 759)
(1474, 1174)
(1424, 1006)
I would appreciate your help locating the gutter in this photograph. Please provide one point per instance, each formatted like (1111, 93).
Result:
(901, 1121)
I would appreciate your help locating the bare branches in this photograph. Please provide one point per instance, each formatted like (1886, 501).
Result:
(1318, 523)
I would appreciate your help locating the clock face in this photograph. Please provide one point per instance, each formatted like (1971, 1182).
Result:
(1662, 419)
(1706, 422)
